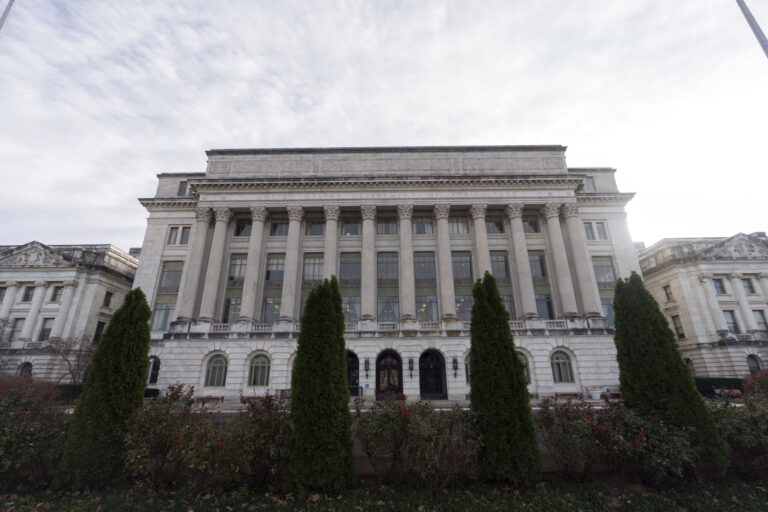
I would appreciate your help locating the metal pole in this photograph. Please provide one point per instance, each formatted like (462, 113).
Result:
(6, 15)
(754, 26)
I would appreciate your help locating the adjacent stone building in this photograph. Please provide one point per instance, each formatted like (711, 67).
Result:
(714, 291)
(230, 254)
(55, 302)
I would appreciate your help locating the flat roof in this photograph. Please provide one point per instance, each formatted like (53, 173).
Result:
(384, 149)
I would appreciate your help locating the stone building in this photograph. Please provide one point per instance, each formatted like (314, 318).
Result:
(230, 254)
(55, 302)
(714, 291)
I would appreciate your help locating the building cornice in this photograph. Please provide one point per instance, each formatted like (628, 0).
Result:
(389, 149)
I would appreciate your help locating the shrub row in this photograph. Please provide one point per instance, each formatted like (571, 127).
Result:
(708, 385)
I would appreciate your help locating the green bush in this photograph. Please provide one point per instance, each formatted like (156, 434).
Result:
(707, 385)
(69, 393)
(151, 393)
(405, 440)
(757, 383)
(745, 431)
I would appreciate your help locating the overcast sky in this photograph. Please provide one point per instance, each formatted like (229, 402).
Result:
(98, 96)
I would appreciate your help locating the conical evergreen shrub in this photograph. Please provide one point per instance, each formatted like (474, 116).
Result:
(653, 376)
(320, 457)
(499, 391)
(94, 450)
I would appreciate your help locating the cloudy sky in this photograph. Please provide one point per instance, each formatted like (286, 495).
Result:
(98, 96)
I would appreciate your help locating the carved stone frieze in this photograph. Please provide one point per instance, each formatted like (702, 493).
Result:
(442, 211)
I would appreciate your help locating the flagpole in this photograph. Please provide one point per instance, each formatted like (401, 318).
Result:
(6, 15)
(754, 26)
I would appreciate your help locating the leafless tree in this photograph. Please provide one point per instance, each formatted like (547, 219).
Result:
(76, 354)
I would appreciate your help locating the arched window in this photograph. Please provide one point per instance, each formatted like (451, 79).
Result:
(258, 371)
(216, 371)
(25, 370)
(154, 370)
(689, 365)
(562, 370)
(526, 368)
(753, 363)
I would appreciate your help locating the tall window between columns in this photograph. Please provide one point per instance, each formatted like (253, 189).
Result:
(500, 271)
(426, 286)
(386, 226)
(234, 293)
(349, 280)
(167, 292)
(541, 287)
(273, 288)
(462, 281)
(311, 276)
(606, 282)
(388, 287)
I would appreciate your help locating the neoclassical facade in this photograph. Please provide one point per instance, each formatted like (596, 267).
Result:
(714, 291)
(55, 302)
(230, 254)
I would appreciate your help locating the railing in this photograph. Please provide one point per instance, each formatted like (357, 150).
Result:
(606, 285)
(431, 326)
(388, 326)
(388, 283)
(168, 289)
(262, 327)
(540, 280)
(462, 280)
(556, 324)
(349, 282)
(220, 328)
(466, 325)
(503, 280)
(744, 337)
(235, 283)
(350, 326)
(33, 344)
(273, 283)
(517, 324)
(310, 283)
(425, 280)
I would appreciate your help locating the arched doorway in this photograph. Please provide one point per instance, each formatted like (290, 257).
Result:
(389, 374)
(353, 374)
(432, 376)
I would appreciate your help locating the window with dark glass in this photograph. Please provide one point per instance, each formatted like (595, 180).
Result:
(562, 370)
(29, 292)
(386, 269)
(243, 227)
(349, 269)
(313, 269)
(589, 231)
(678, 324)
(668, 293)
(760, 319)
(730, 321)
(426, 309)
(271, 311)
(604, 274)
(458, 226)
(719, 286)
(753, 363)
(494, 225)
(386, 226)
(25, 370)
(315, 227)
(462, 267)
(99, 331)
(178, 235)
(531, 225)
(163, 312)
(589, 184)
(350, 306)
(58, 292)
(258, 371)
(388, 309)
(278, 227)
(607, 303)
(170, 277)
(538, 265)
(45, 330)
(275, 268)
(748, 287)
(500, 266)
(107, 299)
(350, 226)
(216, 371)
(2, 294)
(18, 326)
(424, 267)
(509, 305)
(182, 190)
(154, 370)
(422, 226)
(526, 366)
(544, 306)
(236, 274)
(232, 309)
(464, 307)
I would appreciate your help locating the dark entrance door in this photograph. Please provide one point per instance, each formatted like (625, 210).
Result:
(432, 376)
(389, 374)
(353, 374)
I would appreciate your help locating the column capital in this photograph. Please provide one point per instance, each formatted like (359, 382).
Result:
(478, 211)
(405, 211)
(41, 283)
(295, 213)
(11, 284)
(331, 212)
(203, 214)
(735, 275)
(704, 276)
(551, 210)
(258, 213)
(515, 210)
(222, 214)
(368, 212)
(442, 211)
(762, 275)
(570, 210)
(66, 284)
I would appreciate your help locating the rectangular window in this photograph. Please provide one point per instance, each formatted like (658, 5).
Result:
(99, 331)
(589, 184)
(107, 299)
(173, 236)
(509, 305)
(730, 321)
(58, 291)
(236, 274)
(386, 226)
(243, 227)
(178, 235)
(313, 269)
(45, 330)
(182, 190)
(464, 307)
(350, 226)
(602, 232)
(678, 324)
(595, 230)
(426, 309)
(275, 268)
(184, 238)
(29, 291)
(278, 227)
(422, 226)
(424, 267)
(18, 325)
(161, 316)
(315, 227)
(271, 311)
(349, 269)
(458, 225)
(386, 269)
(538, 264)
(500, 266)
(170, 278)
(2, 294)
(719, 286)
(748, 288)
(494, 225)
(531, 225)
(604, 274)
(388, 310)
(607, 303)
(544, 306)
(760, 319)
(589, 231)
(231, 309)
(462, 267)
(668, 293)
(351, 308)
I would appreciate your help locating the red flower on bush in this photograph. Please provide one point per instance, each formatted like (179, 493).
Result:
(221, 447)
(223, 439)
(633, 442)
(607, 430)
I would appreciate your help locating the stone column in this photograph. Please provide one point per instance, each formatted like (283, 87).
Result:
(585, 272)
(10, 298)
(522, 263)
(762, 277)
(34, 310)
(368, 265)
(291, 268)
(445, 262)
(556, 243)
(738, 289)
(407, 277)
(215, 262)
(331, 240)
(66, 303)
(194, 264)
(251, 282)
(714, 305)
(481, 239)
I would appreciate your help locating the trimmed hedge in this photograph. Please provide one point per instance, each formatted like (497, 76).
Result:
(708, 385)
(69, 393)
(151, 393)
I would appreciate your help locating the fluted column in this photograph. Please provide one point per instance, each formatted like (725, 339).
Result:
(215, 262)
(291, 268)
(194, 264)
(714, 306)
(251, 282)
(10, 298)
(556, 243)
(741, 296)
(407, 277)
(368, 265)
(331, 240)
(34, 310)
(481, 238)
(522, 263)
(585, 272)
(66, 303)
(445, 262)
